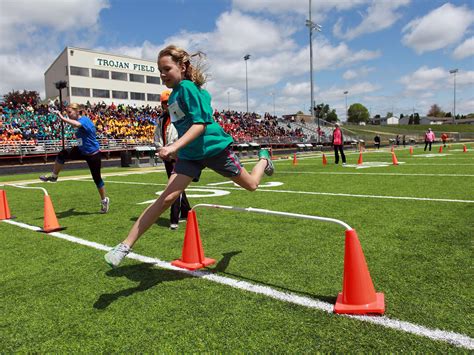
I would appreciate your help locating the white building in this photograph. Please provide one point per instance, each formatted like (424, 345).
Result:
(95, 77)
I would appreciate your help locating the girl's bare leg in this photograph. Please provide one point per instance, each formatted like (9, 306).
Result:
(251, 181)
(176, 185)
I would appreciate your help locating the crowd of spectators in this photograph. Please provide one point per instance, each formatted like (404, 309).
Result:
(134, 124)
(248, 127)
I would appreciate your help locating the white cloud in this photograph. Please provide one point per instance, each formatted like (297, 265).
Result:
(380, 15)
(425, 79)
(465, 78)
(441, 27)
(356, 73)
(20, 19)
(465, 49)
(20, 72)
(29, 37)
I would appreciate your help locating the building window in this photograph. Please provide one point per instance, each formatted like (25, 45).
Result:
(137, 96)
(97, 73)
(120, 95)
(80, 92)
(153, 97)
(153, 79)
(137, 78)
(101, 93)
(79, 71)
(116, 75)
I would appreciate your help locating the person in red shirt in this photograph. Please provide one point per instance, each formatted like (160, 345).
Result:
(338, 143)
(444, 138)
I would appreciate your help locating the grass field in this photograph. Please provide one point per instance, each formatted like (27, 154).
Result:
(276, 279)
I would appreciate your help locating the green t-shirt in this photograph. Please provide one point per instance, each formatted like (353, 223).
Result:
(189, 105)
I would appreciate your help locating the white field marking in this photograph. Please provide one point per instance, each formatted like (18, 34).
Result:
(265, 184)
(355, 173)
(418, 164)
(456, 339)
(371, 164)
(189, 193)
(430, 155)
(320, 193)
(87, 176)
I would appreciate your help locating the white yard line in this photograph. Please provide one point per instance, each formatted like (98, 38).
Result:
(307, 192)
(379, 174)
(457, 339)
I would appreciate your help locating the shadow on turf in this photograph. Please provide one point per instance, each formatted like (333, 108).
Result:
(71, 212)
(147, 275)
(224, 263)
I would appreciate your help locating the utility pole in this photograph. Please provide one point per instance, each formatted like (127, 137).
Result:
(454, 71)
(312, 26)
(246, 58)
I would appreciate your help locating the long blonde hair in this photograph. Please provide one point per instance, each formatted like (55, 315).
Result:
(76, 107)
(193, 72)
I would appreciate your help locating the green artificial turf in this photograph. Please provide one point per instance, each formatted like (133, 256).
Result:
(58, 296)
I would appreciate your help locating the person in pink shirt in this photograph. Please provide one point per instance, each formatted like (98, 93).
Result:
(338, 143)
(429, 138)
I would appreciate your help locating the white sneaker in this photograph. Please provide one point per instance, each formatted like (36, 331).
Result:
(105, 205)
(115, 256)
(173, 226)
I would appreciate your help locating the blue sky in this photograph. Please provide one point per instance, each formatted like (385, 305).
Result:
(390, 55)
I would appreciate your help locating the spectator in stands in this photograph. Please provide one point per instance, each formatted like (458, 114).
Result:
(444, 138)
(338, 143)
(429, 138)
(202, 143)
(88, 149)
(377, 141)
(166, 134)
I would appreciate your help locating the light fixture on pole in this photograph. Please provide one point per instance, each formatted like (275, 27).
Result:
(60, 85)
(246, 58)
(347, 113)
(454, 71)
(312, 26)
(228, 100)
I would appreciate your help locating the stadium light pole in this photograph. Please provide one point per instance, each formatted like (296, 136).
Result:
(312, 26)
(228, 100)
(454, 71)
(60, 85)
(345, 94)
(246, 58)
(273, 97)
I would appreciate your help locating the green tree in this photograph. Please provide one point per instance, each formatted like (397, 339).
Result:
(357, 113)
(22, 98)
(332, 116)
(435, 111)
(416, 118)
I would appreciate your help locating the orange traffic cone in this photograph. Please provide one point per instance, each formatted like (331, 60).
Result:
(295, 161)
(411, 150)
(4, 209)
(464, 148)
(325, 161)
(440, 149)
(192, 257)
(394, 159)
(50, 221)
(359, 162)
(358, 293)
